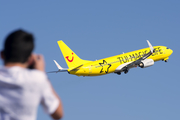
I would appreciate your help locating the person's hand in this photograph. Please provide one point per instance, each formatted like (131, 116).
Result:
(39, 63)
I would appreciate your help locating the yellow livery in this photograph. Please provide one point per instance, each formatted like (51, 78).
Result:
(116, 64)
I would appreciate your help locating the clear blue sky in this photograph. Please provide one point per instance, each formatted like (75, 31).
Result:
(97, 29)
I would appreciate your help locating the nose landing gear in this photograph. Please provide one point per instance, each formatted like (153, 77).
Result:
(166, 59)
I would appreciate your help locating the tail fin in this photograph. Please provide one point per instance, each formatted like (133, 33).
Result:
(70, 57)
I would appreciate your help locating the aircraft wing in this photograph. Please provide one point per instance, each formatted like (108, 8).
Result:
(125, 67)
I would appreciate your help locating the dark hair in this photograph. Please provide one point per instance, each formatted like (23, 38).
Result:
(18, 46)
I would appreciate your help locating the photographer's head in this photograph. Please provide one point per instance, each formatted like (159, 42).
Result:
(18, 47)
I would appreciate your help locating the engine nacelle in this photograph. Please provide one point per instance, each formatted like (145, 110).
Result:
(146, 63)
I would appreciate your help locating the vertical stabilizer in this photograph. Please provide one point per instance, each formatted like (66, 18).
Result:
(70, 57)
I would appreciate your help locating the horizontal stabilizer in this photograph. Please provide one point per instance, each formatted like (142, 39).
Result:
(59, 67)
(53, 72)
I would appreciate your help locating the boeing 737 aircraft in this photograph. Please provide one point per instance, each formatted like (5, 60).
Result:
(116, 64)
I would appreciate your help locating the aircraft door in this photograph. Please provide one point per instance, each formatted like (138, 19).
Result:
(164, 51)
(90, 69)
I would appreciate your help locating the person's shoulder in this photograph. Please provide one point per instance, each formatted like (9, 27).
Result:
(3, 68)
(32, 74)
(36, 77)
(37, 73)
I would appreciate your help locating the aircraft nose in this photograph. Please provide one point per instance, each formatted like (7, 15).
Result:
(170, 51)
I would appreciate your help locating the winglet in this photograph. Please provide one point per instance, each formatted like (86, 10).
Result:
(59, 67)
(150, 46)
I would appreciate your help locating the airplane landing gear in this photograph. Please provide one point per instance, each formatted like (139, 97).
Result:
(166, 59)
(119, 73)
(125, 71)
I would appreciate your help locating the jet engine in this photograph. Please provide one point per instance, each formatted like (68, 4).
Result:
(146, 63)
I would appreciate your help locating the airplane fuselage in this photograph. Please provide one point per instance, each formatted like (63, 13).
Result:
(110, 64)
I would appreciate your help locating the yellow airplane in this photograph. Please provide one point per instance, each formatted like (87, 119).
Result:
(115, 64)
